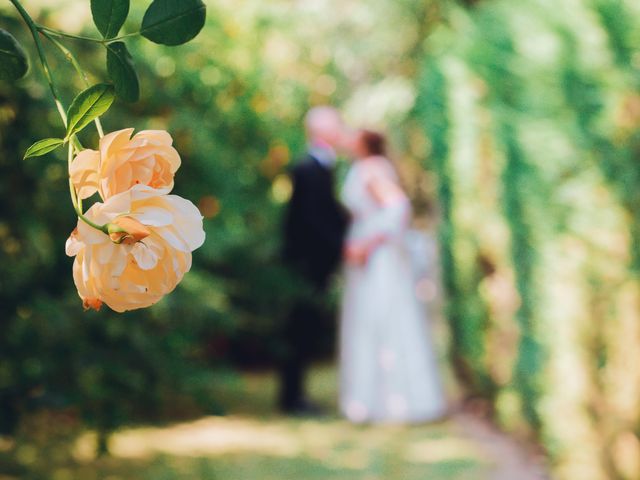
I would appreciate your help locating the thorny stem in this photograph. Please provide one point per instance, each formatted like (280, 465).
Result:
(43, 60)
(45, 65)
(75, 143)
(72, 59)
(77, 203)
(103, 41)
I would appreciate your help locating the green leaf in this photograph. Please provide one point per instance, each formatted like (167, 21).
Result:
(109, 15)
(122, 72)
(173, 22)
(43, 146)
(13, 59)
(89, 105)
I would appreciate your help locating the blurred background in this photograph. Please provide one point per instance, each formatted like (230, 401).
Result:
(516, 130)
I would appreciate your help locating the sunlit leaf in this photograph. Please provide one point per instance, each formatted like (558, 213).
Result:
(109, 15)
(89, 105)
(43, 146)
(173, 22)
(13, 59)
(122, 72)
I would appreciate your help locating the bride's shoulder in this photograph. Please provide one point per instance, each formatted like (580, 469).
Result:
(376, 166)
(373, 162)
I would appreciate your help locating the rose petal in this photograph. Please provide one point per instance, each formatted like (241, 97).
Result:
(153, 216)
(173, 238)
(114, 141)
(145, 257)
(73, 246)
(84, 172)
(188, 221)
(153, 137)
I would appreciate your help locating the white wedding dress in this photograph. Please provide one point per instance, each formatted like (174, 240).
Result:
(388, 370)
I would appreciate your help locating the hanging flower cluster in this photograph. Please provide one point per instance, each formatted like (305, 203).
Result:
(135, 246)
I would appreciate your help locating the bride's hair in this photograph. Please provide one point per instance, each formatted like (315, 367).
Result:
(374, 143)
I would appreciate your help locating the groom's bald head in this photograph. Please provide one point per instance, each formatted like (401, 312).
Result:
(324, 124)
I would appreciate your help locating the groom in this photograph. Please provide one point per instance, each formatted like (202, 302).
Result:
(314, 229)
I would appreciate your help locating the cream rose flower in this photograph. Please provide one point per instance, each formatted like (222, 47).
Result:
(144, 256)
(123, 161)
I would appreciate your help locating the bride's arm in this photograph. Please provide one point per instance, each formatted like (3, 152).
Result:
(394, 205)
(394, 218)
(385, 191)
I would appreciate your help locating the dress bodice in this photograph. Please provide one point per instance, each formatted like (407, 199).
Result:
(369, 217)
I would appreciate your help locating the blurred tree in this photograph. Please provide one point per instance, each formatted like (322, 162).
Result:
(538, 193)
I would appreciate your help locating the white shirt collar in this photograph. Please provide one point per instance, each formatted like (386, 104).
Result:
(325, 156)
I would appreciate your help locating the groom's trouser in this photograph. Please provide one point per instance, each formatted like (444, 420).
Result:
(301, 329)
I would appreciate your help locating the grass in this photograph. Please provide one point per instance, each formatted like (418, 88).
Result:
(252, 442)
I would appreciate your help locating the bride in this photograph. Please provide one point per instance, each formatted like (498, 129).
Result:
(388, 371)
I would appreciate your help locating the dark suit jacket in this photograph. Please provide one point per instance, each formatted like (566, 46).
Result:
(315, 223)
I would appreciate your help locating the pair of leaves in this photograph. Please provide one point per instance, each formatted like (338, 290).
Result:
(109, 16)
(13, 59)
(168, 22)
(86, 107)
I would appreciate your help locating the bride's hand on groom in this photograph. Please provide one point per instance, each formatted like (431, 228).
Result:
(358, 253)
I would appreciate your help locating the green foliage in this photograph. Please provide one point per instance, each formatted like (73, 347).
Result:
(109, 16)
(538, 188)
(87, 106)
(122, 72)
(173, 22)
(13, 59)
(466, 318)
(42, 147)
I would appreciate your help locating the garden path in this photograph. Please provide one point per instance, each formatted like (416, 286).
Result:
(251, 442)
